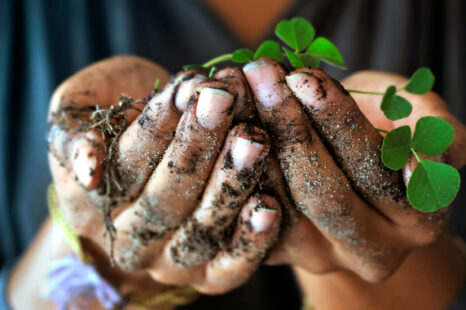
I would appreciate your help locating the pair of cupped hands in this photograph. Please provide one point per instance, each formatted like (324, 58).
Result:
(215, 176)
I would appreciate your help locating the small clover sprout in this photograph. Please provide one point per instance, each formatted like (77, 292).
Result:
(432, 185)
(212, 71)
(298, 34)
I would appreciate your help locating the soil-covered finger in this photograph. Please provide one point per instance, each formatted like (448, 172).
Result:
(81, 153)
(256, 231)
(234, 176)
(355, 144)
(245, 108)
(316, 184)
(318, 187)
(140, 148)
(98, 99)
(176, 185)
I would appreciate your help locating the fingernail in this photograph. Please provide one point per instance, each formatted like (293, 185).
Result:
(306, 89)
(186, 90)
(264, 78)
(245, 153)
(262, 219)
(213, 106)
(83, 162)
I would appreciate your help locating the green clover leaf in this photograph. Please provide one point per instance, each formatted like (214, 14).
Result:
(396, 148)
(421, 81)
(301, 60)
(269, 49)
(298, 33)
(432, 136)
(395, 107)
(432, 186)
(294, 59)
(323, 48)
(310, 60)
(242, 56)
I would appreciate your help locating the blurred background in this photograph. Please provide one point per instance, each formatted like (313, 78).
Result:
(42, 42)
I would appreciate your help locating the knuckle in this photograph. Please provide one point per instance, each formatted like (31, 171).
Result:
(376, 275)
(164, 276)
(322, 268)
(425, 235)
(426, 228)
(379, 268)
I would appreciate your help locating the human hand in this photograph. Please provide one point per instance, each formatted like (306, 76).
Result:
(357, 216)
(164, 165)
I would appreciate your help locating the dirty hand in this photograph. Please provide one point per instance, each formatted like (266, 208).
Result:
(172, 179)
(354, 212)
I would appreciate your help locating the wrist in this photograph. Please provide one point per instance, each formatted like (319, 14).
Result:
(430, 278)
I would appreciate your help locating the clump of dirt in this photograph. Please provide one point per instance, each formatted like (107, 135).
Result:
(111, 122)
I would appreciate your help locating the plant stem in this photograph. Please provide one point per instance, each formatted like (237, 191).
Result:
(415, 155)
(382, 130)
(400, 89)
(156, 85)
(364, 92)
(218, 59)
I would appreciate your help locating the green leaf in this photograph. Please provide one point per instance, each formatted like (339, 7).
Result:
(432, 186)
(194, 67)
(269, 49)
(310, 61)
(301, 60)
(294, 59)
(395, 107)
(242, 56)
(297, 33)
(421, 81)
(325, 49)
(432, 136)
(396, 148)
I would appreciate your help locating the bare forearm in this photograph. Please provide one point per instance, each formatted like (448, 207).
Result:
(28, 275)
(430, 278)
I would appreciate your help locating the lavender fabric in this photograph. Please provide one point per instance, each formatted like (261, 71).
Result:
(69, 278)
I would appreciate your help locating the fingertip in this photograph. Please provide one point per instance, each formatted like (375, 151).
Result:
(307, 88)
(249, 145)
(213, 106)
(86, 155)
(186, 89)
(261, 213)
(264, 77)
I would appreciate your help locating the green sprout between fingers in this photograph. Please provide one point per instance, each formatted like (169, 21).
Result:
(432, 185)
(299, 35)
